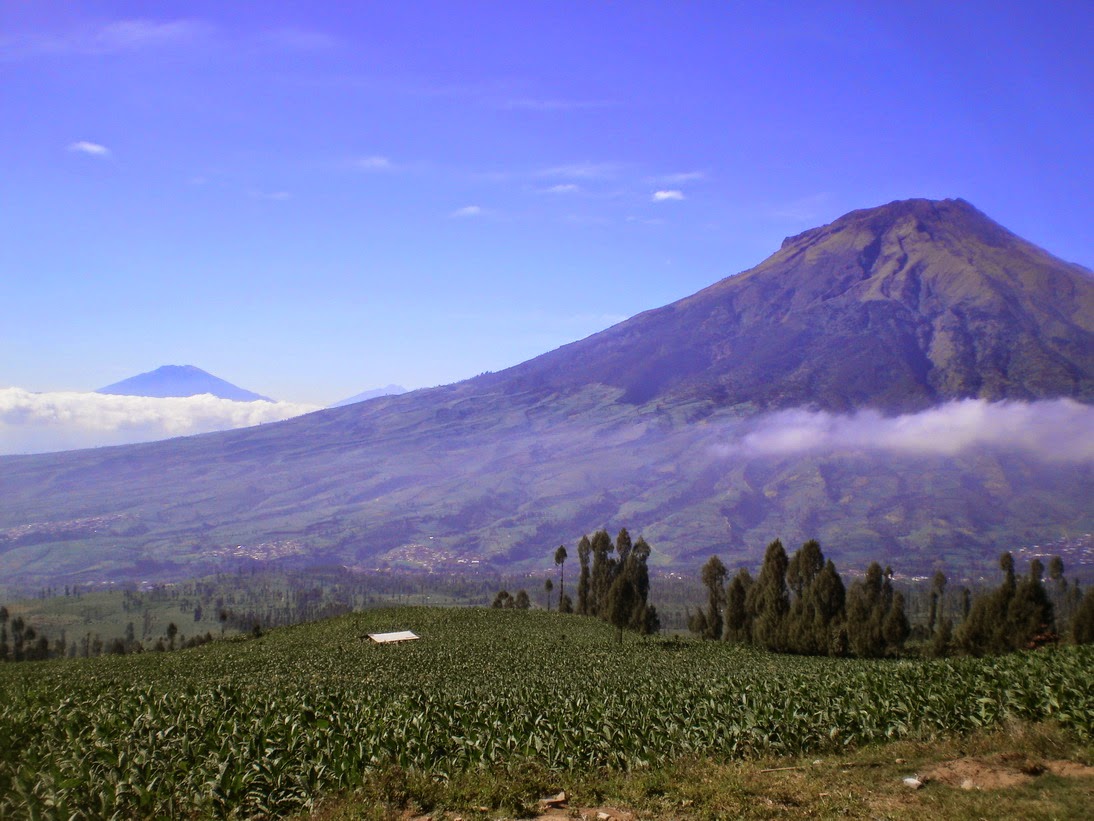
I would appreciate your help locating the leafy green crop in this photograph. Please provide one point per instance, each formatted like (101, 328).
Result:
(266, 726)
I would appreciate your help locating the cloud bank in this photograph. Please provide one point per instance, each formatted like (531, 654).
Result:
(42, 422)
(1056, 430)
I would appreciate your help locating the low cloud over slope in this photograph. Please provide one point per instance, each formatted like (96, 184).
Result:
(1057, 430)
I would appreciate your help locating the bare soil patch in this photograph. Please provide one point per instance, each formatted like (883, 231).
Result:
(1001, 772)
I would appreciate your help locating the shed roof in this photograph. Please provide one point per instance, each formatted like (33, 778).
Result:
(391, 638)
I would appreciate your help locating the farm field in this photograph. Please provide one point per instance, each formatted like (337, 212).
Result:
(274, 725)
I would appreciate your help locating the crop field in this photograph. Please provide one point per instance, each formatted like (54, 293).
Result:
(268, 726)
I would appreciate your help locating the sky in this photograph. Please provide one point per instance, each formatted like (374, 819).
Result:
(314, 199)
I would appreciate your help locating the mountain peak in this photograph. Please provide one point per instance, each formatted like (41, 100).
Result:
(895, 307)
(180, 380)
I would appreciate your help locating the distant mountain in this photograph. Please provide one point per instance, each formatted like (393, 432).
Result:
(180, 380)
(673, 423)
(375, 393)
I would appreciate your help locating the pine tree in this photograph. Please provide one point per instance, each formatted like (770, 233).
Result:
(548, 586)
(1030, 619)
(603, 573)
(584, 548)
(1082, 623)
(738, 623)
(769, 599)
(866, 613)
(714, 576)
(522, 602)
(895, 627)
(560, 563)
(829, 597)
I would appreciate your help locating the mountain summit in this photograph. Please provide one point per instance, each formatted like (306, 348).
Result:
(896, 307)
(657, 424)
(180, 380)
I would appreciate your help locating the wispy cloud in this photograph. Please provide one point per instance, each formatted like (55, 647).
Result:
(110, 38)
(680, 178)
(1058, 430)
(374, 162)
(563, 188)
(539, 104)
(39, 422)
(89, 148)
(581, 171)
(271, 196)
(467, 212)
(667, 196)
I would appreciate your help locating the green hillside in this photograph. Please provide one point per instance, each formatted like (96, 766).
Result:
(268, 726)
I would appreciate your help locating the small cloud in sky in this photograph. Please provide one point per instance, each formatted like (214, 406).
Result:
(538, 104)
(373, 163)
(89, 148)
(667, 196)
(41, 422)
(681, 177)
(581, 171)
(272, 196)
(467, 211)
(563, 188)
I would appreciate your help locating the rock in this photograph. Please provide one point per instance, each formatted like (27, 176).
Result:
(554, 801)
(913, 782)
(968, 784)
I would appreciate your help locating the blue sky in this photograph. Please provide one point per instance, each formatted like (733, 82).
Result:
(311, 201)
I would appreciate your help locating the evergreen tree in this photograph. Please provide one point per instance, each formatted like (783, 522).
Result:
(548, 586)
(769, 601)
(987, 627)
(503, 599)
(522, 602)
(1030, 618)
(1082, 623)
(584, 548)
(560, 563)
(802, 619)
(829, 598)
(866, 613)
(738, 623)
(895, 627)
(621, 603)
(603, 573)
(565, 604)
(714, 577)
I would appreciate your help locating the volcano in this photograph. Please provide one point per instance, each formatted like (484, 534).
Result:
(651, 424)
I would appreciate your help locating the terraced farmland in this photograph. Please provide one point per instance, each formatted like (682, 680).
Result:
(267, 726)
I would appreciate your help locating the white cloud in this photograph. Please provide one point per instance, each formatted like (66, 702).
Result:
(563, 188)
(1059, 430)
(273, 196)
(111, 38)
(374, 163)
(89, 148)
(467, 211)
(667, 196)
(40, 422)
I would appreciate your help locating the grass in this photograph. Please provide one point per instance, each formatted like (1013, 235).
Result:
(865, 783)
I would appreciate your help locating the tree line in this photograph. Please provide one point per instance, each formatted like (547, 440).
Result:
(800, 604)
(613, 583)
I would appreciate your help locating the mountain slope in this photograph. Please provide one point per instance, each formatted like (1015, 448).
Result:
(375, 393)
(897, 307)
(647, 424)
(180, 380)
